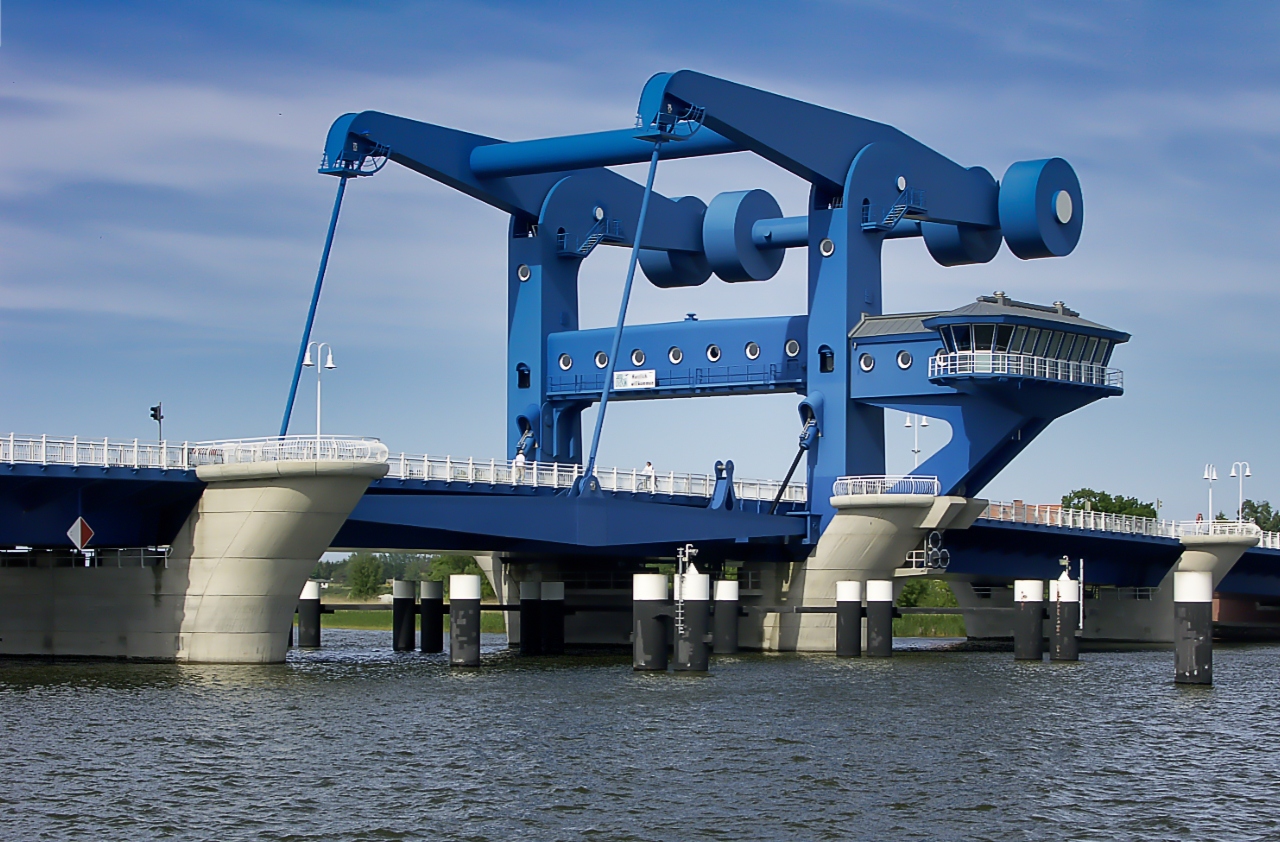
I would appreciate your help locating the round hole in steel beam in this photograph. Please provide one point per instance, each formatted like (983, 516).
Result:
(602, 359)
(637, 357)
(752, 351)
(675, 355)
(866, 362)
(713, 353)
(904, 360)
(523, 272)
(792, 348)
(566, 362)
(826, 248)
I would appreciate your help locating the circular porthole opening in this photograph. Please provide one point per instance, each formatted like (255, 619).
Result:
(826, 248)
(866, 362)
(904, 360)
(675, 355)
(752, 351)
(523, 272)
(602, 359)
(566, 362)
(713, 353)
(792, 348)
(637, 357)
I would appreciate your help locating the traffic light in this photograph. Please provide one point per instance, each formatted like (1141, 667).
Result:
(155, 413)
(158, 416)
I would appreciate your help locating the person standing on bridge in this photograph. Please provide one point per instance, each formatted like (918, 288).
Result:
(518, 468)
(647, 478)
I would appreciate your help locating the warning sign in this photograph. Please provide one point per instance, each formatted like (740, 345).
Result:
(80, 533)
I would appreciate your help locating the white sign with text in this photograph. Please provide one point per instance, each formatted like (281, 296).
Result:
(635, 379)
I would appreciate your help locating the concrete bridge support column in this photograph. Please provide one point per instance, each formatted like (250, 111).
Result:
(1028, 620)
(724, 631)
(464, 620)
(849, 619)
(879, 618)
(1193, 618)
(530, 618)
(693, 648)
(552, 618)
(244, 554)
(431, 608)
(649, 612)
(309, 616)
(403, 614)
(1064, 619)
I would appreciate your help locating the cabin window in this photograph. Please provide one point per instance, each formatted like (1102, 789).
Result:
(1042, 342)
(1064, 353)
(1004, 333)
(1077, 353)
(1055, 343)
(983, 336)
(1033, 336)
(962, 338)
(1090, 349)
(1104, 345)
(1019, 336)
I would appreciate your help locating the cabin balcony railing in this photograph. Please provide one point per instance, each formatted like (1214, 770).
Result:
(968, 363)
(885, 484)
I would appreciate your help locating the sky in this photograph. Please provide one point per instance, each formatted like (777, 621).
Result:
(161, 218)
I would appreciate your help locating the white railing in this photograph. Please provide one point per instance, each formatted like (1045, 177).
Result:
(104, 453)
(1127, 524)
(886, 484)
(555, 475)
(1019, 365)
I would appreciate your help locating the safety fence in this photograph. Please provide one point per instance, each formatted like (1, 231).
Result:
(1020, 365)
(104, 453)
(1050, 515)
(885, 484)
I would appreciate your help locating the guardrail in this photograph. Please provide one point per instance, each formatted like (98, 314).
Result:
(1019, 365)
(104, 453)
(886, 484)
(555, 475)
(1126, 524)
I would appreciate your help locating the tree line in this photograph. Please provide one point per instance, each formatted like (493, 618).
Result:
(366, 573)
(1259, 511)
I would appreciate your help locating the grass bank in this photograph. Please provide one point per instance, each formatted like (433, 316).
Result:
(929, 625)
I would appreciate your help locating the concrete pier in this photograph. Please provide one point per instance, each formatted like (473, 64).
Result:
(693, 618)
(403, 614)
(464, 620)
(1064, 619)
(552, 618)
(1193, 617)
(849, 619)
(530, 619)
(724, 628)
(649, 612)
(879, 618)
(309, 616)
(1028, 620)
(431, 609)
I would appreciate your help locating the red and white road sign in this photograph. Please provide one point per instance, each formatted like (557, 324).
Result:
(80, 533)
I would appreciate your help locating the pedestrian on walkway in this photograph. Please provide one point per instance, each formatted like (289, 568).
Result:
(647, 478)
(518, 473)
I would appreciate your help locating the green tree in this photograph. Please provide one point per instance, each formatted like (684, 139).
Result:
(1261, 513)
(921, 592)
(443, 566)
(364, 573)
(1101, 501)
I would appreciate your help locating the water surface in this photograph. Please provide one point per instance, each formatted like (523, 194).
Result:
(354, 742)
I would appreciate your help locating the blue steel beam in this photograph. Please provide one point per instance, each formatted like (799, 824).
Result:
(584, 151)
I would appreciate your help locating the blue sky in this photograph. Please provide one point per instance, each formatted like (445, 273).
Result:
(161, 217)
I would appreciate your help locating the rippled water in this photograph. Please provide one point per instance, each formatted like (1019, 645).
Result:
(354, 742)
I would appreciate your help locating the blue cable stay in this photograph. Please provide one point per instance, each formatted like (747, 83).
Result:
(588, 475)
(315, 300)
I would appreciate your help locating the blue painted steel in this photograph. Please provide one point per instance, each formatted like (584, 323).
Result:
(728, 236)
(784, 233)
(1027, 212)
(585, 151)
(311, 311)
(588, 479)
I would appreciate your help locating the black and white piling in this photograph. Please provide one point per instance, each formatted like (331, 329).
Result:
(464, 620)
(309, 616)
(530, 618)
(552, 618)
(849, 619)
(693, 622)
(431, 609)
(1193, 626)
(649, 612)
(1028, 620)
(879, 618)
(1064, 619)
(403, 615)
(724, 627)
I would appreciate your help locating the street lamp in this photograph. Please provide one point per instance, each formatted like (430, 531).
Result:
(1241, 470)
(1210, 475)
(921, 421)
(307, 362)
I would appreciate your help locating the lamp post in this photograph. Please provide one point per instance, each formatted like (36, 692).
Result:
(307, 362)
(920, 421)
(1211, 476)
(1241, 470)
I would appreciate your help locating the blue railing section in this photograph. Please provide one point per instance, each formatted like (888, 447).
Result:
(788, 375)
